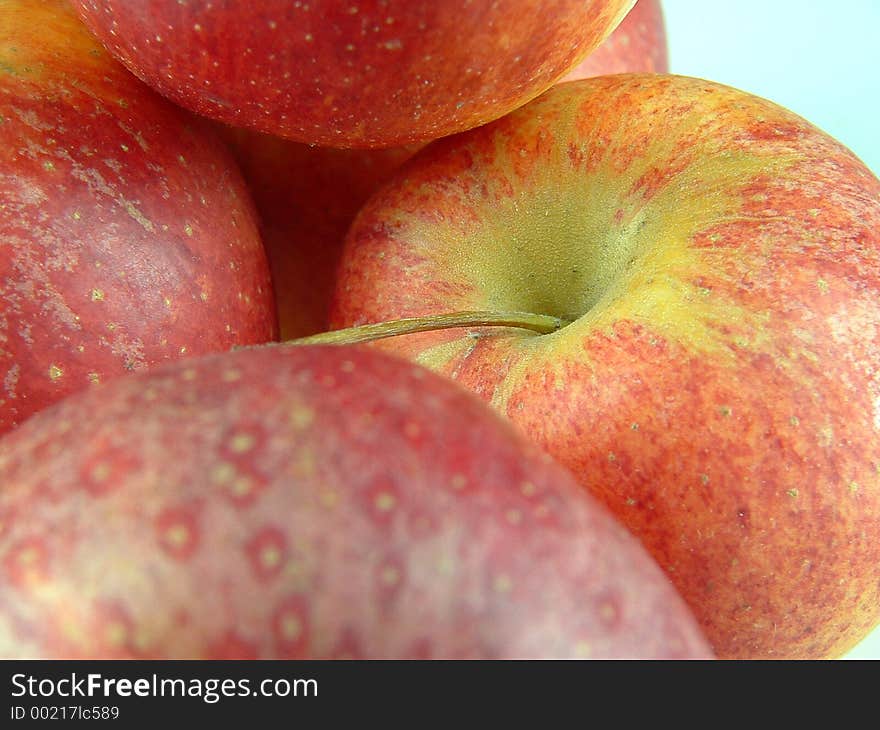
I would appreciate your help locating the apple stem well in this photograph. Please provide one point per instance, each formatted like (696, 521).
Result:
(541, 323)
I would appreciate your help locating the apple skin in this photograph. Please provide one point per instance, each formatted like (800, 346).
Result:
(718, 388)
(307, 196)
(128, 235)
(311, 502)
(637, 44)
(352, 73)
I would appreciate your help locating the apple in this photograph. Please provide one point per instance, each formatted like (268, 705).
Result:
(717, 387)
(128, 237)
(352, 73)
(308, 196)
(637, 44)
(310, 502)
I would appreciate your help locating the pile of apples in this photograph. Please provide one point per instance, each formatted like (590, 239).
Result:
(651, 305)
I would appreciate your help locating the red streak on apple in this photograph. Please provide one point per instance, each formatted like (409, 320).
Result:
(391, 515)
(127, 236)
(719, 388)
(352, 73)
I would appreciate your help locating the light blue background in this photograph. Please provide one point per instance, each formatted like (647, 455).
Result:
(820, 59)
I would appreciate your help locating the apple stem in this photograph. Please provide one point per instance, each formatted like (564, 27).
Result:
(541, 323)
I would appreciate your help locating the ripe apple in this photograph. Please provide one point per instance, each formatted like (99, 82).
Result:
(308, 196)
(127, 238)
(718, 385)
(284, 502)
(637, 44)
(352, 73)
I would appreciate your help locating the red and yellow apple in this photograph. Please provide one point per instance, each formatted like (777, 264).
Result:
(127, 236)
(283, 502)
(718, 258)
(352, 73)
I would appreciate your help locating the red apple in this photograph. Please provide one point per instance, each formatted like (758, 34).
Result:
(352, 73)
(308, 196)
(295, 502)
(718, 386)
(127, 237)
(637, 44)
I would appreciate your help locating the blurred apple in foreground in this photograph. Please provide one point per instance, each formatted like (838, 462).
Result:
(352, 73)
(127, 238)
(284, 502)
(719, 260)
(308, 196)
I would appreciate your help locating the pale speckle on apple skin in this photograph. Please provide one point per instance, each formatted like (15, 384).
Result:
(10, 382)
(177, 534)
(241, 443)
(385, 502)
